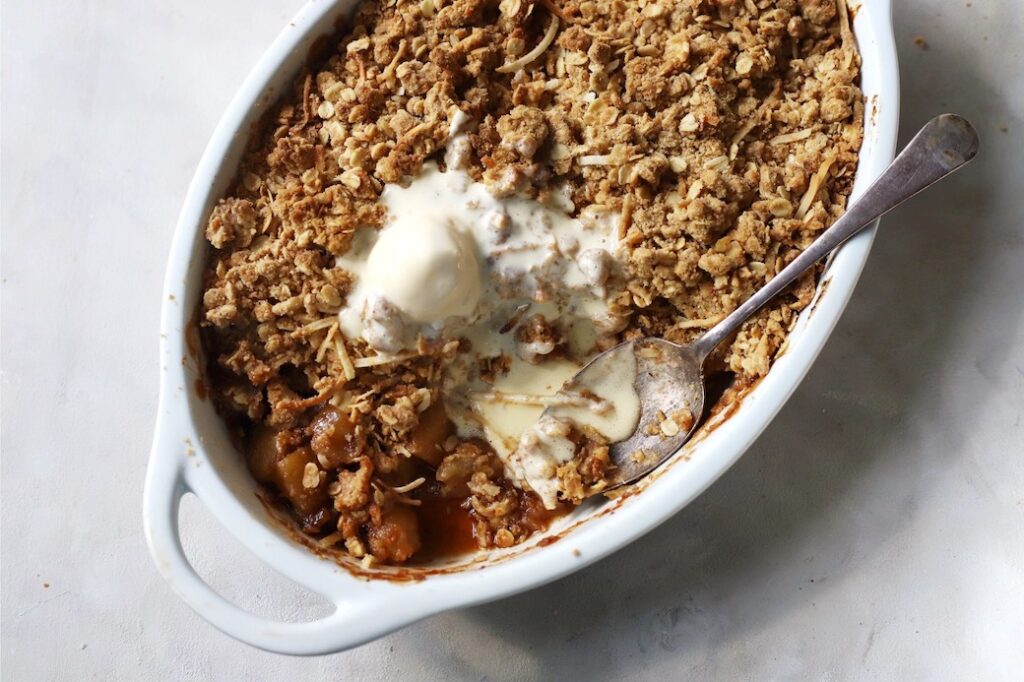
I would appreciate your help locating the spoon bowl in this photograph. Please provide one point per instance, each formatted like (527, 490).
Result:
(670, 383)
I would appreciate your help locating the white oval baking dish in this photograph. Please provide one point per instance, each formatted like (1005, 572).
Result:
(192, 452)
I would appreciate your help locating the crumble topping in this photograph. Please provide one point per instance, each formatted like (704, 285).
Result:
(722, 135)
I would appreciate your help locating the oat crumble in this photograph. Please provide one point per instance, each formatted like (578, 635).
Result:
(723, 134)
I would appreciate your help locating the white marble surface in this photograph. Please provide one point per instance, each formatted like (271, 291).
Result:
(876, 530)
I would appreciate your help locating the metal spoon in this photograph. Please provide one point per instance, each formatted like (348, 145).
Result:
(670, 377)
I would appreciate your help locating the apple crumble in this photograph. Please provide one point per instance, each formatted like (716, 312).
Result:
(465, 201)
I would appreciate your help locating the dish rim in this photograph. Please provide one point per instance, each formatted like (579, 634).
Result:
(366, 609)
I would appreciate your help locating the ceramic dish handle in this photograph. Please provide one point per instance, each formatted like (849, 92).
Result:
(164, 490)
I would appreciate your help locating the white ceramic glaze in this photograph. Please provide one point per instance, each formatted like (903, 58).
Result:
(192, 453)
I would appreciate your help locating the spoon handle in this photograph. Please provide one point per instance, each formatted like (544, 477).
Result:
(943, 145)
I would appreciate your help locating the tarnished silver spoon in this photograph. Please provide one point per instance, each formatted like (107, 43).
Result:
(670, 377)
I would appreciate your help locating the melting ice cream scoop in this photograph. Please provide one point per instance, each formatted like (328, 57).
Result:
(451, 255)
(425, 267)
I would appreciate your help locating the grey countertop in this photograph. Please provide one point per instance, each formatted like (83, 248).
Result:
(876, 529)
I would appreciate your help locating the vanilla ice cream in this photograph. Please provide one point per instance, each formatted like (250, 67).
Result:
(453, 260)
(451, 255)
(604, 399)
(426, 267)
